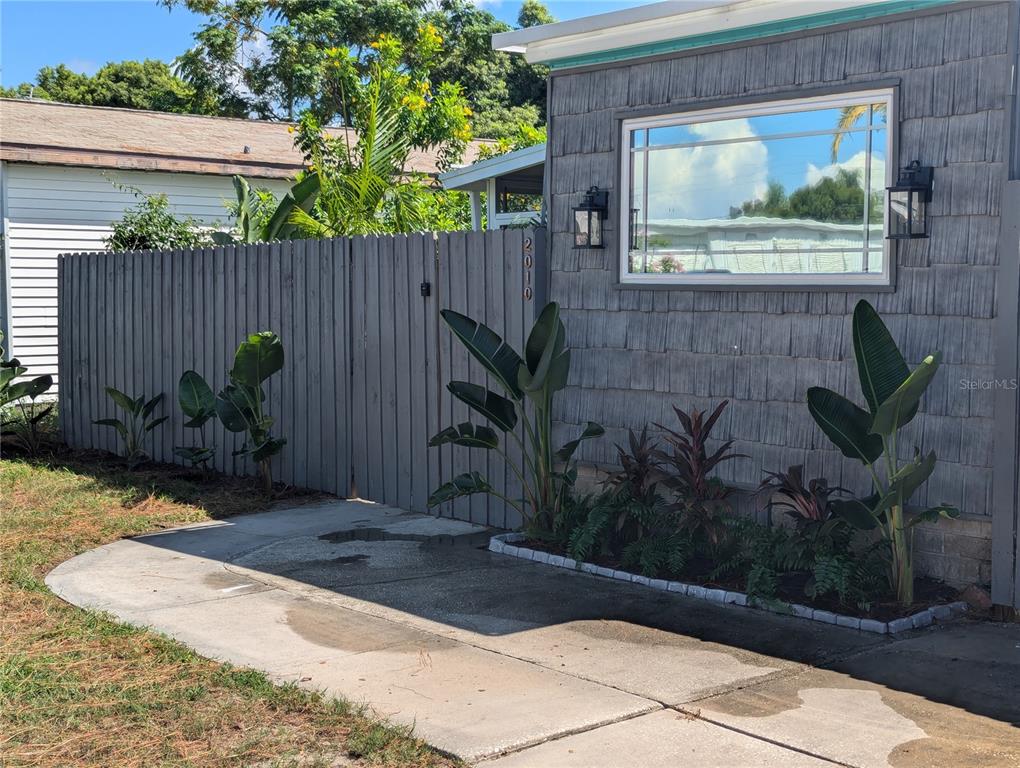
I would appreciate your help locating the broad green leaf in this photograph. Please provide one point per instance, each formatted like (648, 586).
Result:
(559, 372)
(116, 424)
(546, 362)
(153, 424)
(30, 389)
(121, 399)
(467, 435)
(299, 200)
(907, 480)
(900, 407)
(39, 385)
(542, 333)
(243, 190)
(223, 238)
(932, 514)
(846, 425)
(268, 449)
(151, 405)
(195, 455)
(486, 346)
(257, 358)
(493, 407)
(196, 398)
(462, 485)
(233, 409)
(880, 366)
(855, 512)
(591, 430)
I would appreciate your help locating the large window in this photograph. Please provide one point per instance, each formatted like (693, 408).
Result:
(781, 193)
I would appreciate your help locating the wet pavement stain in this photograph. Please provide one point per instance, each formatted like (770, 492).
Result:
(225, 579)
(334, 627)
(852, 725)
(347, 559)
(479, 540)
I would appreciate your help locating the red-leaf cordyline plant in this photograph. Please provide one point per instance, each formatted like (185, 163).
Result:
(701, 500)
(788, 493)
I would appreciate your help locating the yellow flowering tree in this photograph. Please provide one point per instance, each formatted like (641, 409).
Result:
(366, 185)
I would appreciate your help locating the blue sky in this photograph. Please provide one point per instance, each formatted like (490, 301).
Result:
(85, 34)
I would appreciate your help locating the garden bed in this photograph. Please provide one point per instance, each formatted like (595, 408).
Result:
(882, 619)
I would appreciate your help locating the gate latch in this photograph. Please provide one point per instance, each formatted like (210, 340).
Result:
(426, 289)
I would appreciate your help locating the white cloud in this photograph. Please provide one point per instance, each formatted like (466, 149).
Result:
(704, 181)
(856, 163)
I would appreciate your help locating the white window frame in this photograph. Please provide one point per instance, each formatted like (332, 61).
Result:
(724, 280)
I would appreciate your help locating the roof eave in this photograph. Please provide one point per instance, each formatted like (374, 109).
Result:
(473, 177)
(626, 35)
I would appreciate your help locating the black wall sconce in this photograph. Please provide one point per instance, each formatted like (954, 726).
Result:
(588, 218)
(908, 202)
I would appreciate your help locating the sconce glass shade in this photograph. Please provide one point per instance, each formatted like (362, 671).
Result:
(588, 217)
(908, 203)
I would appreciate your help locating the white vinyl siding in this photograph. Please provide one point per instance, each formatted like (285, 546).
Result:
(51, 210)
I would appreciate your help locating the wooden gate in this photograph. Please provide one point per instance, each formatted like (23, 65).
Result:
(403, 356)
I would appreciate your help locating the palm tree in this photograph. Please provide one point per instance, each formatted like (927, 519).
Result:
(848, 118)
(364, 188)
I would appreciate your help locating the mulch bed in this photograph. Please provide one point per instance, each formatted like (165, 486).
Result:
(927, 592)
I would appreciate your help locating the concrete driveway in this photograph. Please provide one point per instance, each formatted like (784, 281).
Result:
(510, 663)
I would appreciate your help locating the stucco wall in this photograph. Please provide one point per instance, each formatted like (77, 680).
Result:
(639, 351)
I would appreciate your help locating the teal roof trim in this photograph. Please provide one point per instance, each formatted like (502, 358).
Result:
(739, 34)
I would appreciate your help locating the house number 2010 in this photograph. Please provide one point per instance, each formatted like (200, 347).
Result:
(529, 261)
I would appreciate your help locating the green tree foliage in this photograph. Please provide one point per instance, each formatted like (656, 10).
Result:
(838, 199)
(148, 84)
(521, 136)
(272, 59)
(151, 225)
(393, 109)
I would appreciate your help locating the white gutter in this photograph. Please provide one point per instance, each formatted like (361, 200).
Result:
(477, 173)
(658, 22)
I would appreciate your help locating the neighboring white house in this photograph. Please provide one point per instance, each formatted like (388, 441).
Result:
(59, 164)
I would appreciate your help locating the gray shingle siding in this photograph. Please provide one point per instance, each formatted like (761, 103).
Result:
(640, 351)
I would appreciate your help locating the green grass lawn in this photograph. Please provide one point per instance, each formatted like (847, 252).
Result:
(78, 688)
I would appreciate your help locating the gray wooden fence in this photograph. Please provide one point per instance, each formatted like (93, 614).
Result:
(367, 357)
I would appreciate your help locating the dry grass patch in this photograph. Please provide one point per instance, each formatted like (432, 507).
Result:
(79, 689)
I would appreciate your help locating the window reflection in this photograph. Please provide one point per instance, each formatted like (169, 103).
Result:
(791, 192)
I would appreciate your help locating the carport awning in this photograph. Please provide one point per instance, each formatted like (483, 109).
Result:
(520, 168)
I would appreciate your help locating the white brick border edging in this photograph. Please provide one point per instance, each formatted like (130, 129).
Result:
(505, 544)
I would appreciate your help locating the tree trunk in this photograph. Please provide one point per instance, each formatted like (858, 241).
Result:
(266, 473)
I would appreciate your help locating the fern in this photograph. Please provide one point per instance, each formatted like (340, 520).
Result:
(762, 582)
(586, 537)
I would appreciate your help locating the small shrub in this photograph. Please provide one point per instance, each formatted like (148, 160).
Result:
(151, 225)
(22, 416)
(240, 404)
(198, 403)
(139, 424)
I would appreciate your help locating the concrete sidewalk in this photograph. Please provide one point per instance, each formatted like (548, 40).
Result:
(510, 663)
